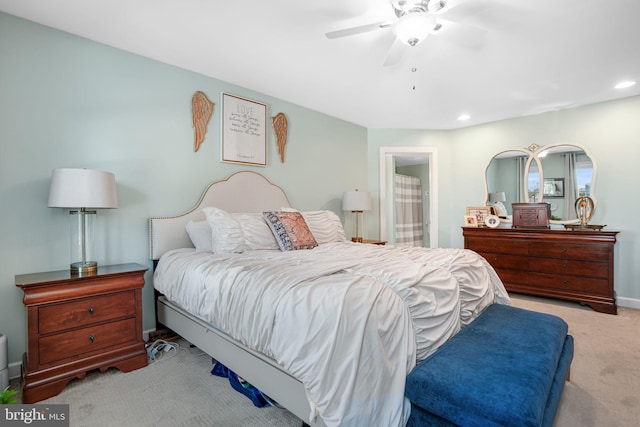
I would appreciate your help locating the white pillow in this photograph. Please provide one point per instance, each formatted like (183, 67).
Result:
(226, 233)
(325, 225)
(256, 231)
(200, 234)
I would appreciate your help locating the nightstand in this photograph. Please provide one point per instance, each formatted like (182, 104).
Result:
(76, 324)
(374, 242)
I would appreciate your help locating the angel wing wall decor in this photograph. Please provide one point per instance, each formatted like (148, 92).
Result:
(280, 127)
(201, 110)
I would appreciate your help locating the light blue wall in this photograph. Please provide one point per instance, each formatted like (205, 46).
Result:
(609, 130)
(69, 102)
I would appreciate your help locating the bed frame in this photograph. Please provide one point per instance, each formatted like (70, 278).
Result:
(244, 191)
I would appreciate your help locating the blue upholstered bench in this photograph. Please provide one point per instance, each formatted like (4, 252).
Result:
(507, 368)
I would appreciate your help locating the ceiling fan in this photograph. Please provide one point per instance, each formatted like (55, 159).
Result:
(416, 20)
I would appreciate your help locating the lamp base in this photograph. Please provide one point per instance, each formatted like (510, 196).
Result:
(84, 268)
(356, 239)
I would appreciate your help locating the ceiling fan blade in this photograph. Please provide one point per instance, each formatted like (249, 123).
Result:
(464, 35)
(357, 30)
(395, 53)
(459, 10)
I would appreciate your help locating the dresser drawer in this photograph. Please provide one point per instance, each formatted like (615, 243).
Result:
(92, 338)
(498, 260)
(569, 283)
(509, 246)
(570, 267)
(64, 316)
(569, 250)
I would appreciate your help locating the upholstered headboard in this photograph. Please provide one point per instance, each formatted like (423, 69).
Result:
(243, 191)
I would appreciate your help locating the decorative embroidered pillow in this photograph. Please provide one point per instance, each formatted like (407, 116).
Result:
(325, 225)
(290, 230)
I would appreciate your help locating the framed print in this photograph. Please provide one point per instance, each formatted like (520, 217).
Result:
(492, 221)
(553, 187)
(244, 131)
(480, 212)
(470, 221)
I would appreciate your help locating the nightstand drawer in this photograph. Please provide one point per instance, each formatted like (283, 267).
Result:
(92, 338)
(60, 317)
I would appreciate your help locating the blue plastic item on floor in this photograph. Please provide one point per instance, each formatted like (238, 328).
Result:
(258, 398)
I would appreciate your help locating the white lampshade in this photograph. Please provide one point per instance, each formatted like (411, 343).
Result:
(82, 188)
(497, 197)
(414, 27)
(356, 201)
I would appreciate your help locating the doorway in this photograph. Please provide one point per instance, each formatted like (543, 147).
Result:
(423, 162)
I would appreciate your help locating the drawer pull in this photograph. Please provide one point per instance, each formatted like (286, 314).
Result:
(91, 338)
(564, 282)
(564, 265)
(495, 259)
(564, 249)
(91, 310)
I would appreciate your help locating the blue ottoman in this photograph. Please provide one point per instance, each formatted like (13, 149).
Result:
(507, 368)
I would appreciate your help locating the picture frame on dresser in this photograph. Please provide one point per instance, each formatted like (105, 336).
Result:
(480, 212)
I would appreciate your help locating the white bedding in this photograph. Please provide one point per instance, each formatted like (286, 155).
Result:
(348, 320)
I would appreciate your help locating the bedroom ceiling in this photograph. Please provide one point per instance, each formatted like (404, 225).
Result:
(537, 56)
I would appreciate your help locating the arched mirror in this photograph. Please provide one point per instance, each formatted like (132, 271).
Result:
(505, 179)
(557, 174)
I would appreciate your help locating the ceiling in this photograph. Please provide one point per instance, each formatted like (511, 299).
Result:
(535, 55)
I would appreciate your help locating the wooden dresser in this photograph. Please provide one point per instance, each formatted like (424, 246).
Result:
(79, 323)
(570, 265)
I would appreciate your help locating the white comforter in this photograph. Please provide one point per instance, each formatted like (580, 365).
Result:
(348, 320)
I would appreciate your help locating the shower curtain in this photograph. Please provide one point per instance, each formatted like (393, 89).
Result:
(408, 207)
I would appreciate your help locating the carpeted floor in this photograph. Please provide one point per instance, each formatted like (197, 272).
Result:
(179, 391)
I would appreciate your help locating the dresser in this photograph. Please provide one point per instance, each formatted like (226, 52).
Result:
(80, 323)
(569, 265)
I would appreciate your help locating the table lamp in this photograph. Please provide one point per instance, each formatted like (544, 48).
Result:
(356, 202)
(81, 190)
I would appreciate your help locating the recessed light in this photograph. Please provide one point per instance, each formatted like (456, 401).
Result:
(625, 84)
(463, 117)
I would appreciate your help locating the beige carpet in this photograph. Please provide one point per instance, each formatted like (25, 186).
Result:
(605, 374)
(604, 389)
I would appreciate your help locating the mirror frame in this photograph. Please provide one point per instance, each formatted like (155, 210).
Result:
(533, 152)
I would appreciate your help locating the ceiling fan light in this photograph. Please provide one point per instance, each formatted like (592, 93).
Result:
(413, 28)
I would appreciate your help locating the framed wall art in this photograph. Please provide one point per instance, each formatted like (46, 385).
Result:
(244, 131)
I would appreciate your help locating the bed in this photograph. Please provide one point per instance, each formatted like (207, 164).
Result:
(329, 331)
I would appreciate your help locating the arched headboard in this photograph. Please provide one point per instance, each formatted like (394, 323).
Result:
(243, 191)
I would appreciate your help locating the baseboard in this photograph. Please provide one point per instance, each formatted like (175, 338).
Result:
(628, 302)
(145, 334)
(15, 370)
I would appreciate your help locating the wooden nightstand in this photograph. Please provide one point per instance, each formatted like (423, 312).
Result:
(77, 324)
(374, 242)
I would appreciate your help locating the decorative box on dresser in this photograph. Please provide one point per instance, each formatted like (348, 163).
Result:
(570, 265)
(76, 324)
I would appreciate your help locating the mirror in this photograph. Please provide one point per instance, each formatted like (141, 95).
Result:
(557, 174)
(505, 174)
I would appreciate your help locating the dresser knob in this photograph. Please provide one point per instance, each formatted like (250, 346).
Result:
(564, 265)
(91, 310)
(564, 249)
(91, 338)
(564, 282)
